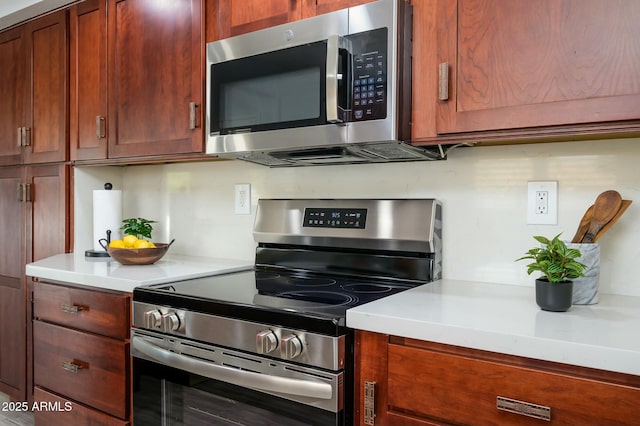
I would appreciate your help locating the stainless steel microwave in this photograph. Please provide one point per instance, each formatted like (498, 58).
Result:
(335, 88)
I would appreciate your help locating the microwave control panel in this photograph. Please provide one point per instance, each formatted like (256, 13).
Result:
(369, 94)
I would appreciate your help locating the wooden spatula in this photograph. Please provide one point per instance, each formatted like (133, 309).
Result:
(585, 222)
(625, 205)
(605, 208)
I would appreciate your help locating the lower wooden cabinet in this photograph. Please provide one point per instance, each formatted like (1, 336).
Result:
(56, 410)
(410, 382)
(81, 355)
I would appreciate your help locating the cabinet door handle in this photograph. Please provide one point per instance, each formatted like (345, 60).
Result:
(71, 309)
(26, 136)
(193, 118)
(20, 192)
(523, 408)
(71, 366)
(443, 81)
(28, 196)
(100, 132)
(369, 403)
(20, 136)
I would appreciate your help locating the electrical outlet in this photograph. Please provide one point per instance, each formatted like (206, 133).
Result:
(243, 198)
(542, 203)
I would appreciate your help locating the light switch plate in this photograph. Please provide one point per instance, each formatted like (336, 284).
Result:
(542, 203)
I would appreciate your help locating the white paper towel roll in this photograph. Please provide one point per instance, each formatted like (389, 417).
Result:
(107, 214)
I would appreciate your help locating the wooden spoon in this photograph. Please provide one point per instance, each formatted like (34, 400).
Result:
(585, 222)
(625, 205)
(605, 208)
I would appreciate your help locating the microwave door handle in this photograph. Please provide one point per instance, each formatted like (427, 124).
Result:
(242, 378)
(333, 77)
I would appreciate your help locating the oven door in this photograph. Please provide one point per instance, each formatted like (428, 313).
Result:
(179, 382)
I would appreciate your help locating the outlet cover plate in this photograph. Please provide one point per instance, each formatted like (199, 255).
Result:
(533, 216)
(242, 198)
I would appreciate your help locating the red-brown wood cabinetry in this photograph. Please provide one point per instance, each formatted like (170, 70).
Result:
(33, 225)
(411, 382)
(81, 339)
(227, 18)
(33, 105)
(525, 69)
(136, 79)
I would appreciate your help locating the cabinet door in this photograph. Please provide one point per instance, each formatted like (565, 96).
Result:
(13, 94)
(12, 289)
(48, 64)
(243, 16)
(155, 77)
(48, 218)
(522, 63)
(318, 7)
(88, 80)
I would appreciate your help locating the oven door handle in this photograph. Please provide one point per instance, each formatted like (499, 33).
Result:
(243, 378)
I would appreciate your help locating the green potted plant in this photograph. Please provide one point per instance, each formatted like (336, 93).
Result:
(558, 267)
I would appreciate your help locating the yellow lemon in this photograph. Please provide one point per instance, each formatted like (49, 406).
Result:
(129, 240)
(116, 244)
(151, 245)
(139, 244)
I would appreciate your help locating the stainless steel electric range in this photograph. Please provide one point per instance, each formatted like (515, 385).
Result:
(270, 346)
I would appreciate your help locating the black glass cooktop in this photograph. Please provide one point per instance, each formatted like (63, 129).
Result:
(315, 302)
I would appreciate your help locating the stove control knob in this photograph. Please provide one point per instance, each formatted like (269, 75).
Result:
(266, 342)
(172, 321)
(290, 346)
(153, 319)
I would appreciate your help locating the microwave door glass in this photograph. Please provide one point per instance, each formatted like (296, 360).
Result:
(274, 90)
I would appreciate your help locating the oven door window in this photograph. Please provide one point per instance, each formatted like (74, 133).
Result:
(167, 396)
(274, 90)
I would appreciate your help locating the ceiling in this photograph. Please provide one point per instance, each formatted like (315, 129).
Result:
(15, 11)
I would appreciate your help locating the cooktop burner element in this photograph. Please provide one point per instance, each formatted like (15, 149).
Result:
(312, 282)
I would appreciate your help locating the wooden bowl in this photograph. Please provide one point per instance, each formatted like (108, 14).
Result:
(141, 256)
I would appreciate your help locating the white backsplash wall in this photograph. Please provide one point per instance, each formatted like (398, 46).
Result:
(483, 191)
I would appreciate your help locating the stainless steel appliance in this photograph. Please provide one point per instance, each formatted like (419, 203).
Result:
(335, 88)
(271, 344)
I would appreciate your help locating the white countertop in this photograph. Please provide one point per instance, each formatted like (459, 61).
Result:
(109, 274)
(506, 319)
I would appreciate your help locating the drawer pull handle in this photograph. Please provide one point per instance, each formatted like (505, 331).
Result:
(523, 408)
(71, 309)
(71, 367)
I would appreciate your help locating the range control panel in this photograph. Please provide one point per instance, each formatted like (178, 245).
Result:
(369, 75)
(335, 218)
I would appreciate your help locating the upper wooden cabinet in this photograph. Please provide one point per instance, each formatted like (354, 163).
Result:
(149, 102)
(88, 80)
(13, 89)
(524, 64)
(33, 105)
(234, 17)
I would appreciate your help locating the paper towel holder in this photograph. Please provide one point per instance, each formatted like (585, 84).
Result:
(101, 253)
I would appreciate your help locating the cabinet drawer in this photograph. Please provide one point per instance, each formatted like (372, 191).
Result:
(464, 390)
(91, 310)
(56, 410)
(87, 368)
